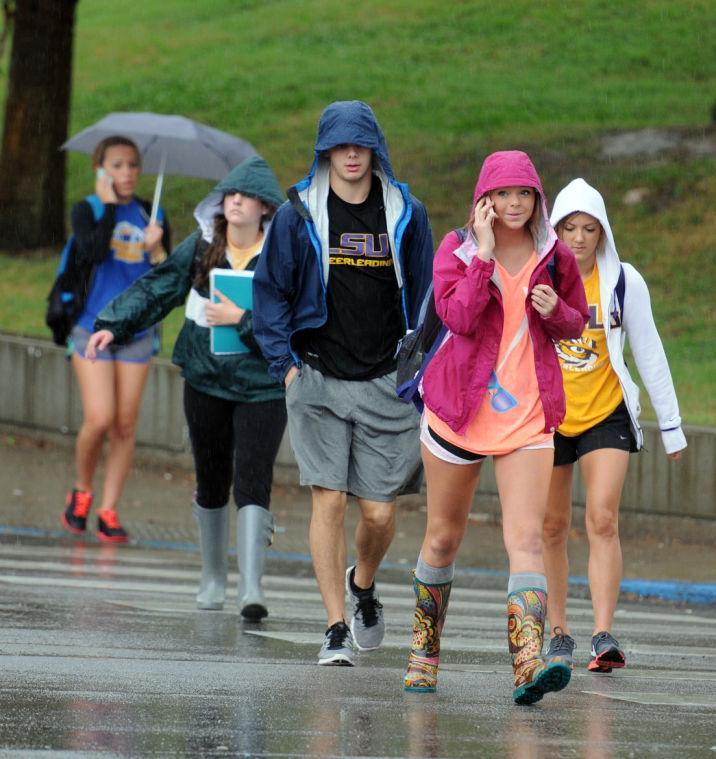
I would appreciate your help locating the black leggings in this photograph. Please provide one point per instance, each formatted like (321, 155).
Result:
(233, 441)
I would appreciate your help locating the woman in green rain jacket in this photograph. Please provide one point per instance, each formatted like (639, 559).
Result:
(235, 411)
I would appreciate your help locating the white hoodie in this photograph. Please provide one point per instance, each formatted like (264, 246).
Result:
(637, 322)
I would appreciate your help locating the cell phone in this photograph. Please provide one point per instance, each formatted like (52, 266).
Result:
(104, 176)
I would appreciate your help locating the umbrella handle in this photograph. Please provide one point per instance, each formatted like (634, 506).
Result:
(158, 189)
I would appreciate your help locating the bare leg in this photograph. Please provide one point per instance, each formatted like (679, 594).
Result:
(374, 534)
(96, 383)
(451, 488)
(604, 472)
(328, 549)
(523, 479)
(129, 386)
(556, 533)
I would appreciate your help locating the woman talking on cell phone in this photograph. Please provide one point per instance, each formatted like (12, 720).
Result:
(113, 238)
(506, 288)
(235, 411)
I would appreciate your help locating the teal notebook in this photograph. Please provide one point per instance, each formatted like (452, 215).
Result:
(236, 286)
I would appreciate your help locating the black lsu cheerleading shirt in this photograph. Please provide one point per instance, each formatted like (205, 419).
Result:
(365, 320)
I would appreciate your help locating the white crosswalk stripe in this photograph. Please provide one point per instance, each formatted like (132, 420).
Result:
(166, 585)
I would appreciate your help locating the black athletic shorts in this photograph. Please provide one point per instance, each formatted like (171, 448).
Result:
(612, 432)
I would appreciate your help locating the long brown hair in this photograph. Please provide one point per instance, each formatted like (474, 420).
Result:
(215, 254)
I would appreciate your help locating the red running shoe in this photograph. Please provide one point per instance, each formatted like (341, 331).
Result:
(109, 530)
(74, 517)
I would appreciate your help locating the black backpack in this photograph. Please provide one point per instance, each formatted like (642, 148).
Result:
(68, 294)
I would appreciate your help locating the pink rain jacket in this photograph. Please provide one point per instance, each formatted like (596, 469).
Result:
(468, 300)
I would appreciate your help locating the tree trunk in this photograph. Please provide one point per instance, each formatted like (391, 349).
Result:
(32, 168)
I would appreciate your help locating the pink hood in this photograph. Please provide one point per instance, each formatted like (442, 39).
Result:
(513, 168)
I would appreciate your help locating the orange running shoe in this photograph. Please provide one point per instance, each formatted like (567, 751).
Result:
(109, 529)
(77, 506)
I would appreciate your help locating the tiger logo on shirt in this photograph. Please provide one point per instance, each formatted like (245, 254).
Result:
(578, 355)
(128, 243)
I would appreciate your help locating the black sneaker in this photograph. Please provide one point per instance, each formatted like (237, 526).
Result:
(606, 654)
(77, 506)
(561, 648)
(109, 530)
(337, 648)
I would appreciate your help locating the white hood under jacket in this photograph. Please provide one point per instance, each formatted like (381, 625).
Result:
(637, 322)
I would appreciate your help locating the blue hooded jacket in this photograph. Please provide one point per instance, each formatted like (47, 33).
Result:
(292, 273)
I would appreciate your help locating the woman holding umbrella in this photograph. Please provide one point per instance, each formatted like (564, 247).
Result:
(114, 239)
(235, 412)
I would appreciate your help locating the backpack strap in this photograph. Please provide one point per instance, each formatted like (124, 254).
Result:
(552, 269)
(96, 205)
(619, 289)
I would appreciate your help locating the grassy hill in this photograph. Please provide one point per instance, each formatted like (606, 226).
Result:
(449, 83)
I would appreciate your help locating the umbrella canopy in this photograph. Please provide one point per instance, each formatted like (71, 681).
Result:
(171, 145)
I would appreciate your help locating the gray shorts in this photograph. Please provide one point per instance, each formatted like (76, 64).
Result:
(354, 436)
(140, 350)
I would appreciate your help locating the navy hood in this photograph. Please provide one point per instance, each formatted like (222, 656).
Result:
(351, 122)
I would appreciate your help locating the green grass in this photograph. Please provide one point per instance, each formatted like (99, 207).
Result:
(449, 82)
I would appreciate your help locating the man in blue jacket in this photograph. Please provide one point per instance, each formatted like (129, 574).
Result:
(345, 266)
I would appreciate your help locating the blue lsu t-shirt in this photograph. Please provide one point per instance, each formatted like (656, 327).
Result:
(126, 262)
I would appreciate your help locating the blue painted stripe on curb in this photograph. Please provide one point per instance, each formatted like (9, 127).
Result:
(667, 590)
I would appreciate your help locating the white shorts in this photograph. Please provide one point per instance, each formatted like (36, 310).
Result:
(453, 454)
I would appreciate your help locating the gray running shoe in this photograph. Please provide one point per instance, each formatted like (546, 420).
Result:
(367, 623)
(337, 648)
(606, 653)
(561, 648)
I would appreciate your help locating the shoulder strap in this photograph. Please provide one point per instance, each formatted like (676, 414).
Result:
(552, 269)
(619, 289)
(96, 205)
(461, 232)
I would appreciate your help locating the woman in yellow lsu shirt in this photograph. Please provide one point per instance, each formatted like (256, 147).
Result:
(601, 427)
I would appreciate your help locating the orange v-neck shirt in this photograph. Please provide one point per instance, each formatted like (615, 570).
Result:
(511, 414)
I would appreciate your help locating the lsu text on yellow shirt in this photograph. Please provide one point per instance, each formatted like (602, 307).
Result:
(591, 385)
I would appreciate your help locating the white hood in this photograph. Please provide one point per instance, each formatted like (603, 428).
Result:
(206, 211)
(580, 197)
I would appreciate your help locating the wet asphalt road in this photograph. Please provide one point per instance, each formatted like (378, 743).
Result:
(103, 653)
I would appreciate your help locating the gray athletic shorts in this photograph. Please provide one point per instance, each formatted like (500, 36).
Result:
(354, 436)
(137, 351)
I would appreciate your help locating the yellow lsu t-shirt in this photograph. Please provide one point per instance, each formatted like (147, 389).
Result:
(590, 383)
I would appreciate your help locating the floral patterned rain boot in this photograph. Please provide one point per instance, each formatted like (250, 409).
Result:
(430, 610)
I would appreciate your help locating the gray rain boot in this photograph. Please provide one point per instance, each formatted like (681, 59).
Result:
(214, 544)
(254, 534)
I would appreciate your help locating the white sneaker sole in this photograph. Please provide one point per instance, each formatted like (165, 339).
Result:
(338, 660)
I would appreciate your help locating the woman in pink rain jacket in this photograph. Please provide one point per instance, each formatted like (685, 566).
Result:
(507, 289)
